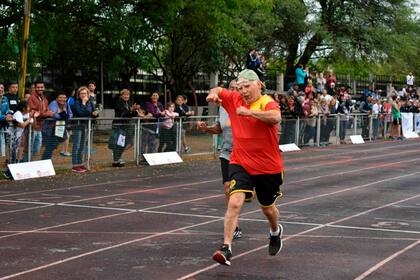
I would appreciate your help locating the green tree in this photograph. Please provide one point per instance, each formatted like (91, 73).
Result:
(352, 29)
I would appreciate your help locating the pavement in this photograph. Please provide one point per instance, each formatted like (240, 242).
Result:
(348, 211)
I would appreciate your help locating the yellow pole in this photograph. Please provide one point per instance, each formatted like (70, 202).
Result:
(24, 53)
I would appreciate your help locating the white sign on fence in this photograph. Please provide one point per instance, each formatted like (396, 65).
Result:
(411, 134)
(417, 122)
(162, 158)
(32, 169)
(407, 124)
(289, 148)
(357, 139)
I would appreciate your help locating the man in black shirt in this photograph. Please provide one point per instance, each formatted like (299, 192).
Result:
(13, 96)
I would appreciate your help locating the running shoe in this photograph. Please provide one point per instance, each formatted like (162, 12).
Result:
(187, 149)
(275, 242)
(83, 168)
(237, 233)
(65, 154)
(7, 175)
(78, 169)
(118, 164)
(223, 255)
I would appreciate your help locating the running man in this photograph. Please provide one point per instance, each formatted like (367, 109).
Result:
(223, 127)
(256, 162)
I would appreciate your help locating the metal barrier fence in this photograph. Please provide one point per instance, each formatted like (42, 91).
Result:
(104, 141)
(333, 129)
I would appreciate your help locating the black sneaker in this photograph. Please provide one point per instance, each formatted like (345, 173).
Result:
(7, 175)
(275, 242)
(237, 233)
(223, 255)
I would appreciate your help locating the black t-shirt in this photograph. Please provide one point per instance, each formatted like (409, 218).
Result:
(13, 101)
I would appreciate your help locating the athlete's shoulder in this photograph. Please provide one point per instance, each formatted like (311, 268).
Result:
(265, 102)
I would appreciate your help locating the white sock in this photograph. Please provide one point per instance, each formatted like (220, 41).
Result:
(277, 232)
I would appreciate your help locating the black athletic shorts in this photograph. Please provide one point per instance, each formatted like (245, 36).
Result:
(266, 186)
(224, 165)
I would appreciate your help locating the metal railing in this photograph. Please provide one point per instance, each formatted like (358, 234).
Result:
(333, 129)
(102, 141)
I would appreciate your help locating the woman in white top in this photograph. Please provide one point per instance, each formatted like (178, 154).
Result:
(18, 131)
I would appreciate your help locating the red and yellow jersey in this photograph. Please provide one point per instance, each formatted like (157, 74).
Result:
(255, 146)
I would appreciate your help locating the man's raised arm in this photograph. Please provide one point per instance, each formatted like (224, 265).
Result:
(213, 95)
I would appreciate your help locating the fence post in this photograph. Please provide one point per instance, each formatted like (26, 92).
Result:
(297, 127)
(215, 138)
(3, 142)
(318, 131)
(30, 143)
(178, 133)
(179, 144)
(355, 125)
(138, 141)
(89, 144)
(337, 129)
(214, 81)
(370, 126)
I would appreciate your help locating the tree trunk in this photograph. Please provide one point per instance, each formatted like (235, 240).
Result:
(313, 43)
(289, 77)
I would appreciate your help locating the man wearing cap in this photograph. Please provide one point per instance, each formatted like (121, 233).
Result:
(256, 162)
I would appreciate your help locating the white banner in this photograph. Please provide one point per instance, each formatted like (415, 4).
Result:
(289, 148)
(357, 139)
(162, 158)
(407, 123)
(32, 169)
(417, 122)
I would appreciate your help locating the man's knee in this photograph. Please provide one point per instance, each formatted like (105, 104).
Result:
(270, 211)
(236, 200)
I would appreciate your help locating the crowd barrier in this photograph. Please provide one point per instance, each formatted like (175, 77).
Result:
(103, 141)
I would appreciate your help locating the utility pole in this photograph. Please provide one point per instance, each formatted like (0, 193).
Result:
(24, 53)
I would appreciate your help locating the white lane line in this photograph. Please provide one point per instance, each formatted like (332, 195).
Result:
(28, 202)
(383, 262)
(299, 234)
(326, 155)
(24, 209)
(67, 224)
(87, 185)
(209, 233)
(351, 171)
(341, 161)
(358, 237)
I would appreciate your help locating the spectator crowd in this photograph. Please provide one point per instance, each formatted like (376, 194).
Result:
(315, 95)
(52, 121)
